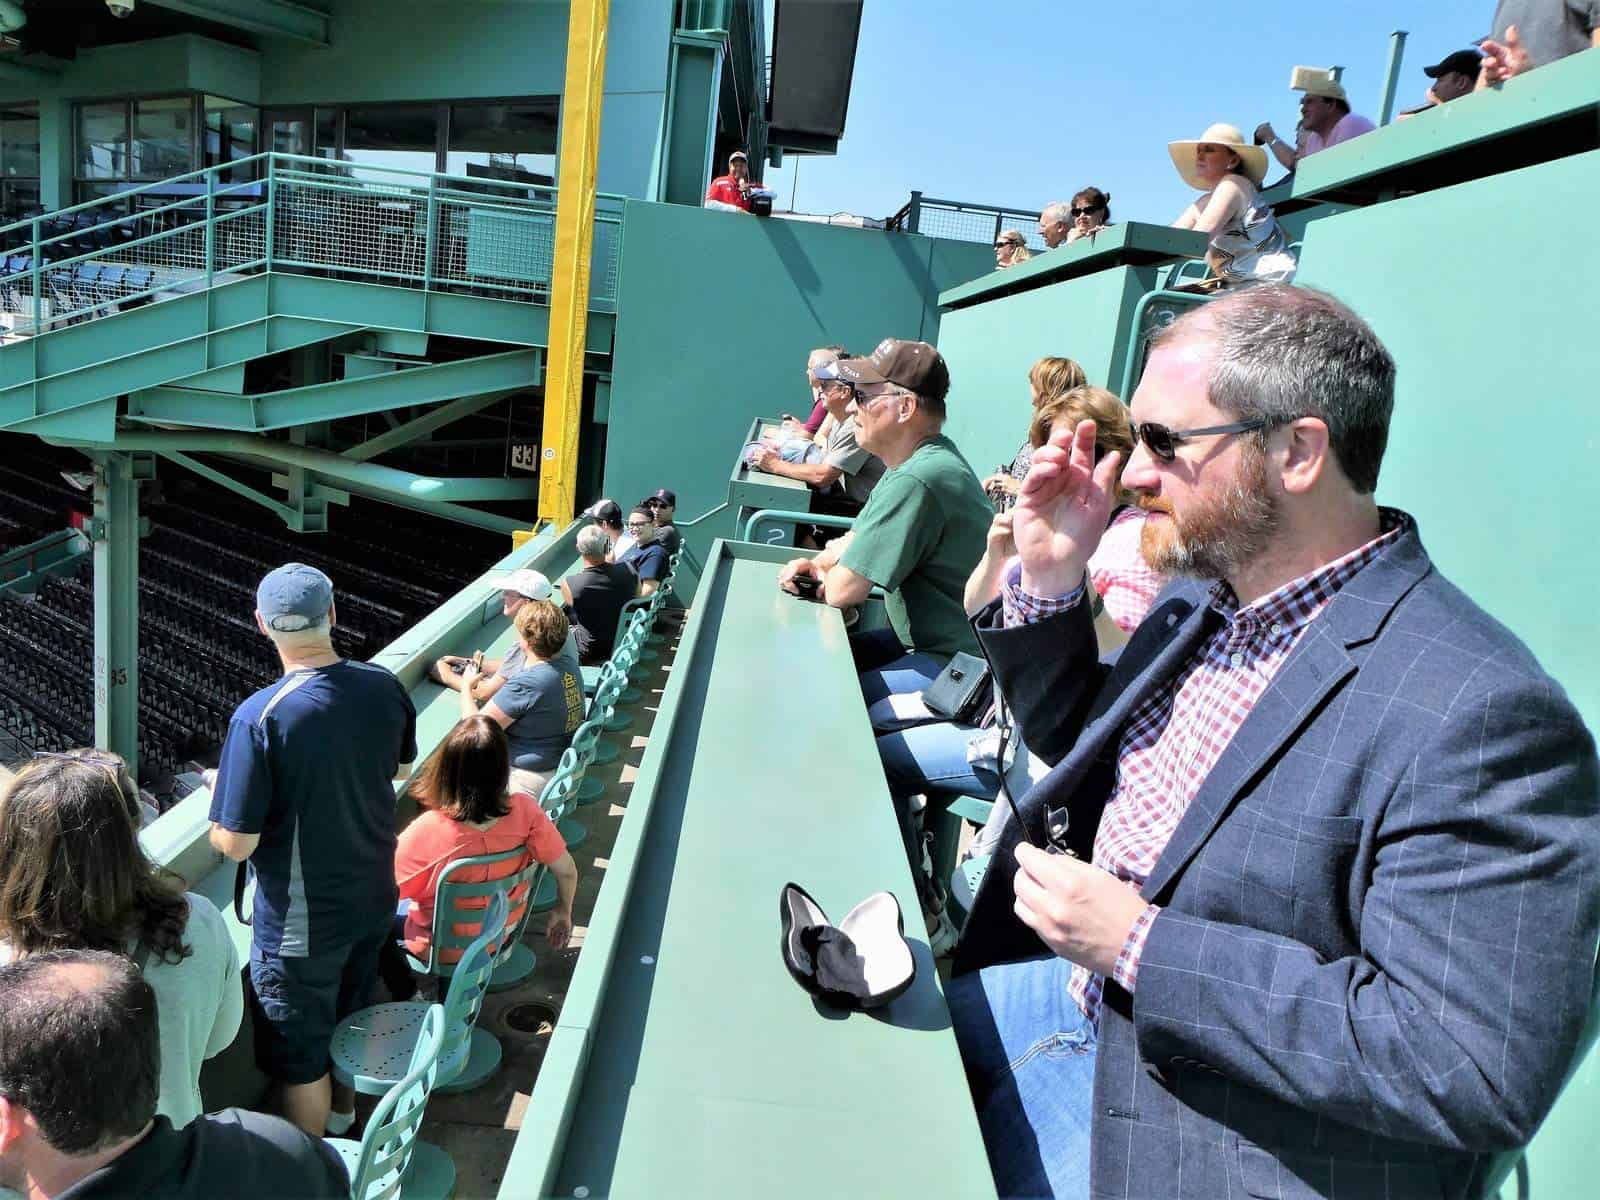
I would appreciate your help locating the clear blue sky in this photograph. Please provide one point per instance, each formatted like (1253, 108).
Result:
(1021, 102)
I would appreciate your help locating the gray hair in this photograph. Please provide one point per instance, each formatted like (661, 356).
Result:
(1056, 210)
(822, 356)
(593, 542)
(1284, 352)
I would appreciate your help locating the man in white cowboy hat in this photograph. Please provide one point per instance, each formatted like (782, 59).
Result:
(1325, 117)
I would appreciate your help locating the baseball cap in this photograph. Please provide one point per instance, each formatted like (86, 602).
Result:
(607, 512)
(1462, 62)
(529, 583)
(293, 596)
(916, 366)
(738, 154)
(666, 496)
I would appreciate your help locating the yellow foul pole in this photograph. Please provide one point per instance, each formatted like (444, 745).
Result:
(569, 284)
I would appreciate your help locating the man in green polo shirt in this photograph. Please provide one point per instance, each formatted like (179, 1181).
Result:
(922, 529)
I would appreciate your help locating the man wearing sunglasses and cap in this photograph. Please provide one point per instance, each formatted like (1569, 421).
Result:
(1331, 924)
(921, 530)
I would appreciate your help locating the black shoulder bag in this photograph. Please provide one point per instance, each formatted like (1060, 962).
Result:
(961, 691)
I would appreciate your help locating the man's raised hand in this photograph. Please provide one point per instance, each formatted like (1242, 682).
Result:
(1062, 509)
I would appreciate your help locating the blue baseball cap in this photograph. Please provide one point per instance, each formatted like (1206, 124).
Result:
(293, 596)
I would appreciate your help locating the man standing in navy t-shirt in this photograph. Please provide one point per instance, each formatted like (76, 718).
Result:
(304, 791)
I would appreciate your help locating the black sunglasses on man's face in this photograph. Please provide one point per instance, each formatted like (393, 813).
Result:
(1163, 443)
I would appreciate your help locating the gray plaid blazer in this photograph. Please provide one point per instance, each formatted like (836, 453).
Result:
(1380, 912)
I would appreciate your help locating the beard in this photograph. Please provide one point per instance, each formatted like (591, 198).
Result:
(1220, 533)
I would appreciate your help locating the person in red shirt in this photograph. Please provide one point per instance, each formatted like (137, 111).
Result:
(469, 811)
(733, 189)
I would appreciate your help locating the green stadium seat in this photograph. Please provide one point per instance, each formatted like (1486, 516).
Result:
(389, 1160)
(516, 960)
(372, 1048)
(965, 880)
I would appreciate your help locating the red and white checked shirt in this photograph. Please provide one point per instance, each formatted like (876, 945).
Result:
(1178, 732)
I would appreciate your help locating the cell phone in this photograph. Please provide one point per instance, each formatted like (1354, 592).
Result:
(808, 586)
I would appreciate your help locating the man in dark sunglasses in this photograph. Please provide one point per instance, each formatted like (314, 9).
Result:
(1270, 910)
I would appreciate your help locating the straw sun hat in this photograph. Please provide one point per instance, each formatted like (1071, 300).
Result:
(1253, 158)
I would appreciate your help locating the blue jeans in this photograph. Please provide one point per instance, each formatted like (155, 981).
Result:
(887, 667)
(1030, 1054)
(933, 758)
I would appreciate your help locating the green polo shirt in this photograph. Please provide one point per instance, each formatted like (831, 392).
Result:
(919, 536)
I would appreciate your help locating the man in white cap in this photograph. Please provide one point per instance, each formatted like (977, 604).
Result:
(733, 189)
(1325, 118)
(518, 588)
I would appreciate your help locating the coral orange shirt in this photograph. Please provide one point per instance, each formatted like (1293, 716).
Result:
(433, 841)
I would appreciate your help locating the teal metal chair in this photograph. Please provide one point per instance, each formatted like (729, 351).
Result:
(557, 798)
(389, 1162)
(370, 1048)
(457, 898)
(584, 741)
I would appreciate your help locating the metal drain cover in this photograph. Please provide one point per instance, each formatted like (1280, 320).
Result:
(537, 1019)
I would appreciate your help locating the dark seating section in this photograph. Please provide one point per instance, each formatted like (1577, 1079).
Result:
(82, 289)
(200, 653)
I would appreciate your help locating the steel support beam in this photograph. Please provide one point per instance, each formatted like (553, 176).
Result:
(275, 18)
(411, 431)
(115, 531)
(569, 290)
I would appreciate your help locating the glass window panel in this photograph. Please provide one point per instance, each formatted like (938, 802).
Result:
(289, 132)
(19, 141)
(163, 142)
(515, 140)
(19, 197)
(327, 122)
(230, 132)
(103, 141)
(400, 136)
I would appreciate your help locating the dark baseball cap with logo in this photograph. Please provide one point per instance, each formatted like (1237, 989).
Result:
(915, 366)
(666, 496)
(607, 512)
(1462, 62)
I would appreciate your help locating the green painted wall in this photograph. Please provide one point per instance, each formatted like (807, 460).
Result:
(990, 348)
(717, 314)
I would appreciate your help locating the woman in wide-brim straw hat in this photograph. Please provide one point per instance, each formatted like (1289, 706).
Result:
(1247, 244)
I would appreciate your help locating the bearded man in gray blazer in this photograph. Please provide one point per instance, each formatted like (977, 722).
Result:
(1323, 913)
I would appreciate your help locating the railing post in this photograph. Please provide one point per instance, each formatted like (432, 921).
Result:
(428, 237)
(211, 229)
(914, 217)
(1391, 75)
(272, 205)
(37, 251)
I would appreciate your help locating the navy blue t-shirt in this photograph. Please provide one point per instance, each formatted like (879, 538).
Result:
(647, 562)
(309, 764)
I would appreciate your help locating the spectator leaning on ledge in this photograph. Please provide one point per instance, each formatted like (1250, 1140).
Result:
(1091, 212)
(922, 528)
(1247, 244)
(1325, 118)
(733, 189)
(1533, 33)
(1338, 815)
(1055, 223)
(1010, 248)
(1453, 77)
(305, 792)
(846, 473)
(79, 1073)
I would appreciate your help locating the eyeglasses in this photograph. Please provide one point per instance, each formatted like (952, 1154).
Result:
(1084, 212)
(94, 757)
(639, 524)
(1163, 443)
(1005, 245)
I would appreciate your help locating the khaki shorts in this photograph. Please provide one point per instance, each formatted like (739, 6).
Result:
(531, 782)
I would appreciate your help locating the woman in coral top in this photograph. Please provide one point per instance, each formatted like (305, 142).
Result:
(470, 812)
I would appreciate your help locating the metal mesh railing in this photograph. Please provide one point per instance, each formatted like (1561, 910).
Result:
(400, 228)
(963, 222)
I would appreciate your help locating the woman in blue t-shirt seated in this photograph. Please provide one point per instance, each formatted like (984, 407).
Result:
(541, 704)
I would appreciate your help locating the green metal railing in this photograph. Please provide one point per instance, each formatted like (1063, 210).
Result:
(964, 221)
(284, 212)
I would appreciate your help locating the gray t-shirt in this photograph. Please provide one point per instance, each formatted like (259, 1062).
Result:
(1550, 29)
(862, 469)
(545, 703)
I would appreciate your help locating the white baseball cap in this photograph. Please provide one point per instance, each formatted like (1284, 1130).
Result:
(529, 583)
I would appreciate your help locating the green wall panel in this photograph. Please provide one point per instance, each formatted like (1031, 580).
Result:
(716, 314)
(990, 348)
(1496, 430)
